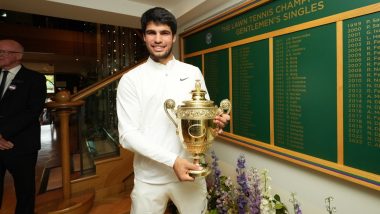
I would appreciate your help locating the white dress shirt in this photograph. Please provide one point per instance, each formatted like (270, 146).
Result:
(11, 75)
(144, 127)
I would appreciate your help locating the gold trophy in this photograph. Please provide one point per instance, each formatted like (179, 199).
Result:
(195, 125)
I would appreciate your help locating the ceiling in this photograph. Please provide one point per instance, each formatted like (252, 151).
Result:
(116, 12)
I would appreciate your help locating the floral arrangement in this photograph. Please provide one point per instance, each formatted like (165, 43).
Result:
(250, 195)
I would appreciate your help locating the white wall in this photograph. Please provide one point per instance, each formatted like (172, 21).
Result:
(311, 187)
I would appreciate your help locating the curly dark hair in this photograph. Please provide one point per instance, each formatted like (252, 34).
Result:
(159, 15)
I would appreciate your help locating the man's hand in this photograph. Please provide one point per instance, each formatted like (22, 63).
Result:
(181, 168)
(221, 121)
(4, 144)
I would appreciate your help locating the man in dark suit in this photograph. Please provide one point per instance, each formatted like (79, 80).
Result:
(21, 103)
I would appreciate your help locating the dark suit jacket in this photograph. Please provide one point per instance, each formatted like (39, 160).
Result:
(20, 109)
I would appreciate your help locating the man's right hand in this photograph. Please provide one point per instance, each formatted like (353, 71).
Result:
(181, 168)
(4, 144)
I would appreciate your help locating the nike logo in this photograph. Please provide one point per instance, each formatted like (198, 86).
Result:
(182, 79)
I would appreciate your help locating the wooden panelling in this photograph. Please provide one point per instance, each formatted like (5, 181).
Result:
(46, 40)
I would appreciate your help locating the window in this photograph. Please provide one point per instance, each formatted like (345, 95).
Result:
(50, 83)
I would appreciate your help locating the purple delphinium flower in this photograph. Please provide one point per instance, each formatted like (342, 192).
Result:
(255, 199)
(242, 181)
(241, 175)
(221, 187)
(215, 169)
(242, 202)
(215, 194)
(297, 209)
(241, 162)
(251, 195)
(296, 205)
(222, 202)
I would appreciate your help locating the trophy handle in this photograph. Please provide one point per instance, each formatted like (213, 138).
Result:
(225, 107)
(169, 105)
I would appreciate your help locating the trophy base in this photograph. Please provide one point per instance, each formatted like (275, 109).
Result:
(200, 173)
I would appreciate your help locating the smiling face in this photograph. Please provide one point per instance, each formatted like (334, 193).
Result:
(159, 41)
(10, 54)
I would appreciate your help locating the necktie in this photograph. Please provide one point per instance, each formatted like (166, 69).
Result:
(2, 85)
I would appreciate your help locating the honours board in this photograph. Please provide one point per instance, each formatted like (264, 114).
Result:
(305, 92)
(362, 92)
(216, 75)
(250, 90)
(303, 78)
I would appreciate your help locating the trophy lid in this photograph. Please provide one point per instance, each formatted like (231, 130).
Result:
(198, 97)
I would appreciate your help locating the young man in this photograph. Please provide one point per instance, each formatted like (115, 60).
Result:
(160, 163)
(23, 97)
